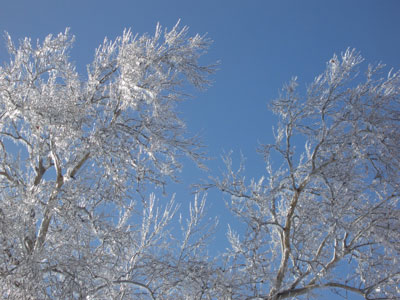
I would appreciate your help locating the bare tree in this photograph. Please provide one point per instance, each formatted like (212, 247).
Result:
(327, 213)
(78, 158)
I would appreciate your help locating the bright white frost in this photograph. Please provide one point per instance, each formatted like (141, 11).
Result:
(77, 159)
(327, 217)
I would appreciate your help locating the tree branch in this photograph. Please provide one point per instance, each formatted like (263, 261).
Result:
(301, 291)
(138, 284)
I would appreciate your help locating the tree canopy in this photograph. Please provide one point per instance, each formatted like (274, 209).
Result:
(81, 159)
(327, 214)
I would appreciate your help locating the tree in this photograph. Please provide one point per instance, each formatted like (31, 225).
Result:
(78, 158)
(328, 216)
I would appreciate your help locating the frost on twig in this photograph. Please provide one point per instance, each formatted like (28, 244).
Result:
(326, 217)
(84, 156)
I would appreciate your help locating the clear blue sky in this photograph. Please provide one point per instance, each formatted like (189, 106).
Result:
(261, 45)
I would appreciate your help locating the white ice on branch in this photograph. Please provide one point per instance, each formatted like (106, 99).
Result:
(328, 216)
(77, 159)
(81, 161)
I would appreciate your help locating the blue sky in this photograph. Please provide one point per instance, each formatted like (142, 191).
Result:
(261, 45)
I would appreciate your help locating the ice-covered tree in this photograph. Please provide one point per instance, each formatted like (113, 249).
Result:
(79, 159)
(327, 213)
